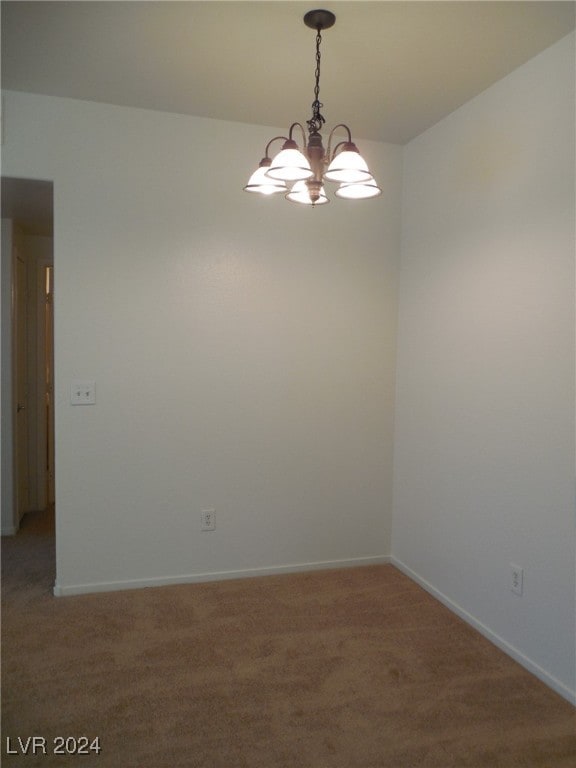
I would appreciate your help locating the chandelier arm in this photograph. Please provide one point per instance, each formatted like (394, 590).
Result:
(303, 133)
(340, 125)
(267, 156)
(337, 148)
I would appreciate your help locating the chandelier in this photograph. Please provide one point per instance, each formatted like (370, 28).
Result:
(299, 172)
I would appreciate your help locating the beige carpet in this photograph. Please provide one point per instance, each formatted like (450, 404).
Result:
(358, 668)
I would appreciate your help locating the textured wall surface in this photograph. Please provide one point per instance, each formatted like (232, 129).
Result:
(243, 349)
(484, 455)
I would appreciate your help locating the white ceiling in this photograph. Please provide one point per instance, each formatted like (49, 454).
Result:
(389, 69)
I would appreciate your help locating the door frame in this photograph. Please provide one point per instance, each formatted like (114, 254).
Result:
(27, 212)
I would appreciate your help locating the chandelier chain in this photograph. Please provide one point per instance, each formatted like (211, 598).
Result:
(317, 121)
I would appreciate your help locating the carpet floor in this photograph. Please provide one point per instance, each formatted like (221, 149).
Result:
(353, 668)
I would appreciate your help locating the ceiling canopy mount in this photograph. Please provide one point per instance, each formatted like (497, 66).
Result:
(319, 19)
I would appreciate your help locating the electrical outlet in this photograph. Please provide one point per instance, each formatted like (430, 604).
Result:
(208, 518)
(516, 579)
(83, 392)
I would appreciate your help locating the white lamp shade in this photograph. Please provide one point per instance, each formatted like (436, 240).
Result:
(348, 167)
(301, 194)
(289, 165)
(260, 182)
(359, 191)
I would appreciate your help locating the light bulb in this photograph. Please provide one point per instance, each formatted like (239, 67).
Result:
(290, 164)
(307, 193)
(348, 166)
(359, 191)
(260, 182)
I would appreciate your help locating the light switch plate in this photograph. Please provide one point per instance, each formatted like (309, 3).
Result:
(208, 518)
(82, 392)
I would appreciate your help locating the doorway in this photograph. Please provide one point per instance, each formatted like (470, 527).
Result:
(27, 364)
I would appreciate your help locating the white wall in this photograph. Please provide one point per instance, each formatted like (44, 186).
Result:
(484, 452)
(243, 349)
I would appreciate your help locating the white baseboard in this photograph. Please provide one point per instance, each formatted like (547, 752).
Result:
(510, 650)
(9, 531)
(195, 578)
